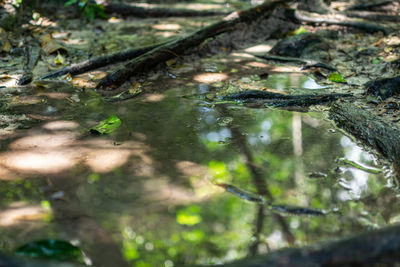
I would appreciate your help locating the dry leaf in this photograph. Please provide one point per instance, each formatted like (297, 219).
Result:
(6, 47)
(50, 45)
(41, 85)
(170, 62)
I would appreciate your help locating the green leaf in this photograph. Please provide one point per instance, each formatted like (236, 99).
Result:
(337, 78)
(300, 30)
(376, 60)
(106, 126)
(51, 249)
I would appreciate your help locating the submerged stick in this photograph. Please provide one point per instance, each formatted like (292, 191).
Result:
(356, 165)
(249, 196)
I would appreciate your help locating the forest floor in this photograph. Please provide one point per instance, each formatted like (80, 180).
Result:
(227, 64)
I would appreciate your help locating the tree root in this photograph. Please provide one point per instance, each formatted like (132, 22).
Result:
(375, 248)
(143, 12)
(176, 48)
(373, 131)
(369, 6)
(341, 20)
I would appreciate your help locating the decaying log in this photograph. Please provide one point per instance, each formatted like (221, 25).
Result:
(176, 48)
(375, 248)
(99, 62)
(143, 12)
(373, 131)
(341, 20)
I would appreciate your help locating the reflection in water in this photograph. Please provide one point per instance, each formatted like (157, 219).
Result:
(142, 196)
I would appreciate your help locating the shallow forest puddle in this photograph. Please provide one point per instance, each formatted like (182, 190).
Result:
(148, 186)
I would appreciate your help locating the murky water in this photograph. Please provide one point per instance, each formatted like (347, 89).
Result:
(144, 195)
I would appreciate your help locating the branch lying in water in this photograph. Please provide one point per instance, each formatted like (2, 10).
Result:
(293, 210)
(282, 100)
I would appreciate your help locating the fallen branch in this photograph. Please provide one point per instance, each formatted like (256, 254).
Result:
(176, 48)
(144, 12)
(99, 62)
(282, 209)
(342, 21)
(375, 248)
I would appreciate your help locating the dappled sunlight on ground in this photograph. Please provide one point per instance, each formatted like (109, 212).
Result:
(61, 149)
(167, 27)
(262, 48)
(210, 77)
(19, 212)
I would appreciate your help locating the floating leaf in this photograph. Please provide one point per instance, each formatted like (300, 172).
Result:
(337, 78)
(106, 126)
(51, 249)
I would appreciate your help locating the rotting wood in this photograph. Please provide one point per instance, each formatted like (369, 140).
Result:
(100, 61)
(144, 12)
(176, 48)
(375, 248)
(341, 20)
(373, 131)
